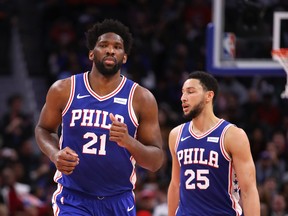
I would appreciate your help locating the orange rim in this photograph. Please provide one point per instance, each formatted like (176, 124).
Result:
(283, 52)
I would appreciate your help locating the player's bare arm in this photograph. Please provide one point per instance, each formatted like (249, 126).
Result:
(47, 127)
(237, 145)
(173, 190)
(147, 148)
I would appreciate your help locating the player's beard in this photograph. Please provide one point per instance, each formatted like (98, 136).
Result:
(195, 112)
(108, 71)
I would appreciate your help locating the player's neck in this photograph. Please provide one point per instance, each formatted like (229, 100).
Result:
(102, 84)
(204, 122)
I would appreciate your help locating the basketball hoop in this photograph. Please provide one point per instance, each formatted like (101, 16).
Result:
(281, 55)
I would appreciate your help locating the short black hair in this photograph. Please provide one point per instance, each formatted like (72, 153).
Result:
(109, 25)
(208, 82)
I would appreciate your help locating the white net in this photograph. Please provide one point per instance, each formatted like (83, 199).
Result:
(281, 55)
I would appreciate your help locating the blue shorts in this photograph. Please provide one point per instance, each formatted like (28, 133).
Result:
(73, 203)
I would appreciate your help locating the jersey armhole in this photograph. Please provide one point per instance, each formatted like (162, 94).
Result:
(178, 137)
(222, 145)
(72, 92)
(131, 111)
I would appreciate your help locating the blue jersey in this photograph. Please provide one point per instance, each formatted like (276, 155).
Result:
(208, 183)
(105, 169)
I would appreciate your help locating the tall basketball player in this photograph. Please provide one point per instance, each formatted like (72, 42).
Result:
(211, 158)
(109, 124)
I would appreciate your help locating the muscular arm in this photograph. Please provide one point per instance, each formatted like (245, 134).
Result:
(147, 148)
(237, 144)
(47, 127)
(173, 190)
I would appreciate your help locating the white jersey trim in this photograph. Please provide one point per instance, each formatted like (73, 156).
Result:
(178, 137)
(105, 97)
(72, 92)
(206, 133)
(222, 145)
(234, 195)
(130, 106)
(56, 209)
(133, 177)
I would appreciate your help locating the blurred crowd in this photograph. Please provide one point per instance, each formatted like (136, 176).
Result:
(169, 42)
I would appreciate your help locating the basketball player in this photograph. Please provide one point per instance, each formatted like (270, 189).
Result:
(211, 158)
(109, 124)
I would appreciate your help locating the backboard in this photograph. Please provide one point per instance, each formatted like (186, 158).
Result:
(242, 35)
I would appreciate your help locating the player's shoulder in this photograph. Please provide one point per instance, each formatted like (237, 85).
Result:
(175, 131)
(61, 84)
(176, 128)
(173, 136)
(235, 137)
(144, 95)
(235, 132)
(60, 88)
(236, 140)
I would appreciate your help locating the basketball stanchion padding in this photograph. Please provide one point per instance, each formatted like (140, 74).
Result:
(281, 55)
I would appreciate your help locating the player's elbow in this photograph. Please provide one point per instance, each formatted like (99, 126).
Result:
(156, 167)
(157, 163)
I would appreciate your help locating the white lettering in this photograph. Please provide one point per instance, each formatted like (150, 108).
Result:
(87, 116)
(180, 156)
(188, 156)
(76, 115)
(201, 161)
(104, 120)
(213, 159)
(97, 124)
(196, 150)
(196, 156)
(92, 118)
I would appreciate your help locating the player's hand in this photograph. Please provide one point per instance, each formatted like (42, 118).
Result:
(119, 132)
(66, 160)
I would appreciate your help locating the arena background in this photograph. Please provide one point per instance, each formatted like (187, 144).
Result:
(43, 40)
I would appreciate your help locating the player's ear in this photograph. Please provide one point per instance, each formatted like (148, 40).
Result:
(125, 58)
(91, 55)
(210, 96)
